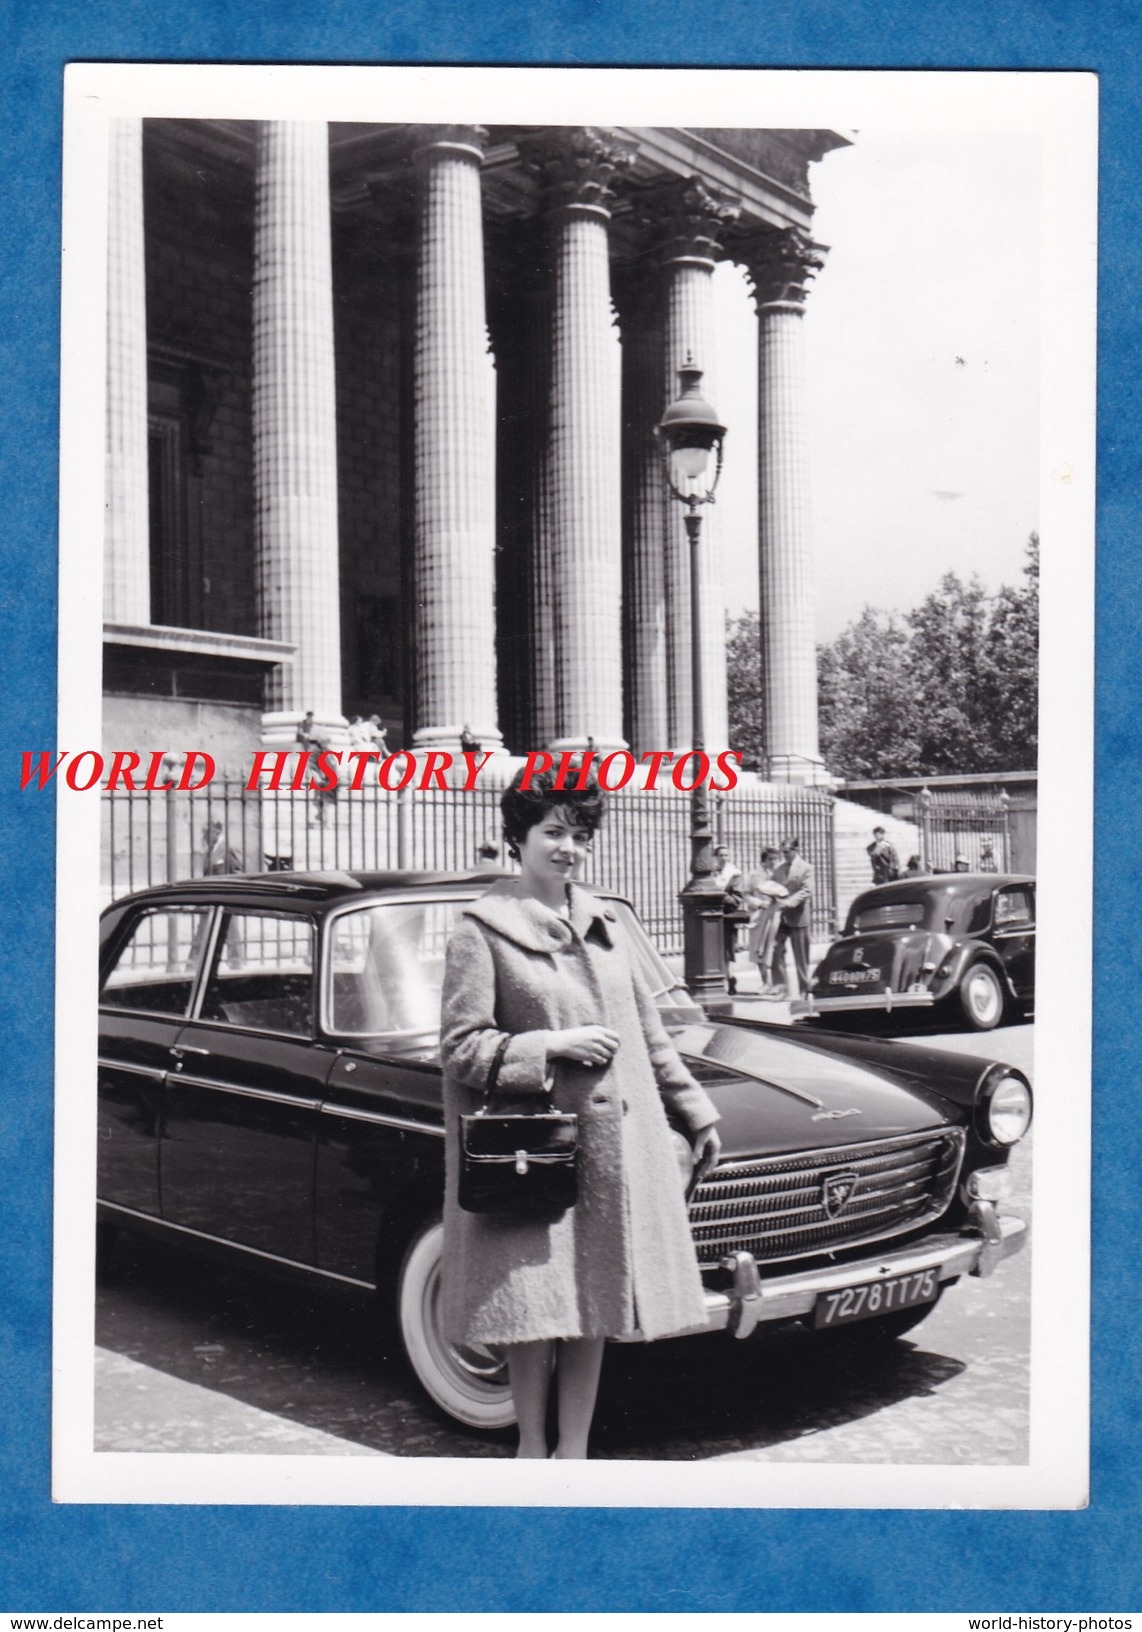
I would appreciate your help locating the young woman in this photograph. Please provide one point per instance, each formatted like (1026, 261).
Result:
(544, 961)
(762, 894)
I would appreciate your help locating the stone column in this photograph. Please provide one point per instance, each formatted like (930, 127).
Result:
(691, 218)
(453, 449)
(126, 561)
(780, 263)
(582, 533)
(639, 292)
(295, 428)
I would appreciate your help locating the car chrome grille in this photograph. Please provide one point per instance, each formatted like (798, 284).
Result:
(774, 1206)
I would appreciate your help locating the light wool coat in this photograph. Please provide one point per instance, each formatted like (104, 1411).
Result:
(622, 1258)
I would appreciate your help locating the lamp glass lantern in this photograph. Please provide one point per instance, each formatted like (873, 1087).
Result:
(688, 433)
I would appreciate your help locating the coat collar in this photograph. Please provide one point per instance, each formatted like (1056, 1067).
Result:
(519, 917)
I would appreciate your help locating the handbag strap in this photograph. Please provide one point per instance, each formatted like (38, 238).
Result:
(491, 1082)
(493, 1076)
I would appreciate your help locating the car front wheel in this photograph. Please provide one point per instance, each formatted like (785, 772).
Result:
(470, 1383)
(981, 997)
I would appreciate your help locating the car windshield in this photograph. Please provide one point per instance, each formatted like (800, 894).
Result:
(887, 915)
(384, 970)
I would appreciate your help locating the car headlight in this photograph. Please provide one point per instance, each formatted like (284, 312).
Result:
(1005, 1113)
(685, 1157)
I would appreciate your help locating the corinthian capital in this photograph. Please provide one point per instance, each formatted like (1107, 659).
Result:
(780, 264)
(577, 167)
(686, 218)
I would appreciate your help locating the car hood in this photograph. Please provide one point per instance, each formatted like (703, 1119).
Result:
(777, 1093)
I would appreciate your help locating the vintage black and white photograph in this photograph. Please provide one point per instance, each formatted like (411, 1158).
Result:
(554, 705)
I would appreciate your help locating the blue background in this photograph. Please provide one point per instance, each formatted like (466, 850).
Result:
(170, 1558)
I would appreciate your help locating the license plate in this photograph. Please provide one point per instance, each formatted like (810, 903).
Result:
(854, 977)
(876, 1298)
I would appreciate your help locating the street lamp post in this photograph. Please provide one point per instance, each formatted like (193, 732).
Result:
(688, 434)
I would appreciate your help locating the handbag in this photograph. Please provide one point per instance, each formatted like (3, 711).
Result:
(518, 1162)
(733, 906)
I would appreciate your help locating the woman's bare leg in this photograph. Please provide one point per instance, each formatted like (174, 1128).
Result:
(529, 1370)
(578, 1364)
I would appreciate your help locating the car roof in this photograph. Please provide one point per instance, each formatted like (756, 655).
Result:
(317, 891)
(957, 884)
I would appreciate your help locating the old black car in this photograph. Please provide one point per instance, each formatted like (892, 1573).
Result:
(962, 944)
(269, 1083)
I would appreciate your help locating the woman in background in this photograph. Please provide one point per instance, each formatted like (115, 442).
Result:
(762, 894)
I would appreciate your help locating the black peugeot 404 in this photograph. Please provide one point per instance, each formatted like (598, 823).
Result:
(269, 1084)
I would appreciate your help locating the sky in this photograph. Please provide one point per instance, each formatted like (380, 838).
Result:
(922, 348)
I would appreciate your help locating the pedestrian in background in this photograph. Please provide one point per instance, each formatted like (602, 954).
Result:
(729, 880)
(763, 895)
(217, 856)
(885, 861)
(793, 931)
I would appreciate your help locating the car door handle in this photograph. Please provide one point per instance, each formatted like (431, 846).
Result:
(179, 1049)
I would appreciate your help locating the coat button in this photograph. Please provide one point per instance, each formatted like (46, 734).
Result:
(626, 1108)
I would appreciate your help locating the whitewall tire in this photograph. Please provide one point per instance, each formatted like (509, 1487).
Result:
(470, 1384)
(981, 997)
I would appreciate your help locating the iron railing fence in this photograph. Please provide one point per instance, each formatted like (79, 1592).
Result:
(151, 838)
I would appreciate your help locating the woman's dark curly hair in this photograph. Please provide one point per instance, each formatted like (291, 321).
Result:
(524, 808)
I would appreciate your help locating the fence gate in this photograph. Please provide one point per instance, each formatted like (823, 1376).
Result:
(976, 826)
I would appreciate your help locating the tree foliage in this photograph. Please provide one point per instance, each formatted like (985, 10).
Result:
(744, 690)
(948, 688)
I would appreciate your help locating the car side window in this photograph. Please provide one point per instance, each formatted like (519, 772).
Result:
(980, 916)
(262, 975)
(1013, 909)
(386, 967)
(158, 962)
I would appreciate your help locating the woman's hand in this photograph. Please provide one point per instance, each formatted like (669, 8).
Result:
(586, 1045)
(707, 1149)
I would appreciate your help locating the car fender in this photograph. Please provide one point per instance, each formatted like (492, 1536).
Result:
(973, 952)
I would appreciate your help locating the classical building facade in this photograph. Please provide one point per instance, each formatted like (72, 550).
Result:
(380, 411)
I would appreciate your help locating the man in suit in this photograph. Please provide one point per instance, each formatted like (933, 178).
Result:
(793, 930)
(885, 862)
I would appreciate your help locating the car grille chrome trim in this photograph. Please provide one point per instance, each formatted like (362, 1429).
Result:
(773, 1207)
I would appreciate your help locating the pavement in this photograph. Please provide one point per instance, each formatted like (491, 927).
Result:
(140, 1409)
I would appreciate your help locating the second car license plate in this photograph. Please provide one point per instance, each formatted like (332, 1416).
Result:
(854, 977)
(875, 1298)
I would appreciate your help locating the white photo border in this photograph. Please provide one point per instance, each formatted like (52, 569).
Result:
(1061, 109)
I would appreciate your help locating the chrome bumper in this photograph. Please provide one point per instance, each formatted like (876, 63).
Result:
(870, 1000)
(755, 1299)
